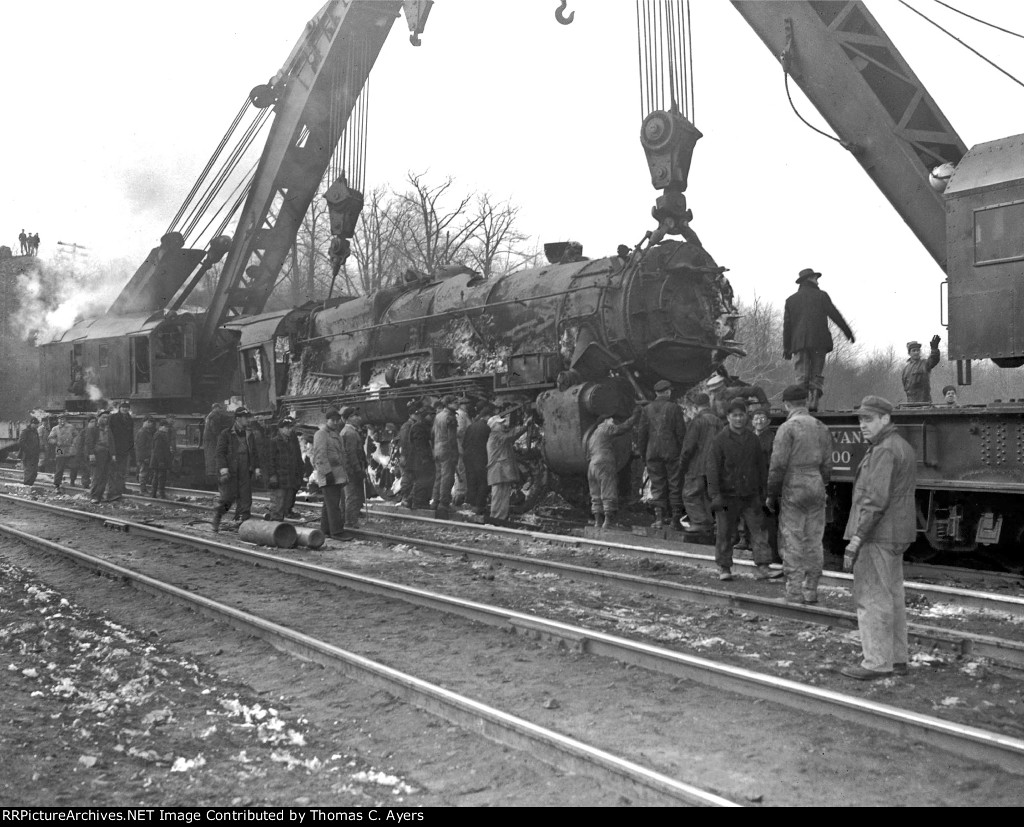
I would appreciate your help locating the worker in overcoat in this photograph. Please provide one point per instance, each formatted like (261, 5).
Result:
(99, 446)
(28, 448)
(805, 333)
(81, 463)
(703, 428)
(474, 453)
(352, 446)
(662, 430)
(122, 432)
(329, 466)
(881, 527)
(284, 469)
(62, 439)
(800, 470)
(421, 458)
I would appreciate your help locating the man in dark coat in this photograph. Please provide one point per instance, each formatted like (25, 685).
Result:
(662, 430)
(216, 421)
(144, 455)
(122, 432)
(404, 453)
(28, 445)
(81, 463)
(238, 463)
(737, 484)
(160, 459)
(805, 333)
(284, 469)
(474, 452)
(421, 459)
(703, 428)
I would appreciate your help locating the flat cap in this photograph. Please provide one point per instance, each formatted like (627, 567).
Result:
(947, 389)
(913, 346)
(495, 421)
(347, 411)
(807, 273)
(241, 412)
(124, 403)
(876, 404)
(33, 421)
(795, 393)
(332, 413)
(663, 385)
(286, 422)
(737, 404)
(449, 399)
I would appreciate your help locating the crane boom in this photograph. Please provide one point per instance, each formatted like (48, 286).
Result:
(850, 70)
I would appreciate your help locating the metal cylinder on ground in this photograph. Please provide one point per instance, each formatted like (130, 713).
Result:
(310, 537)
(263, 533)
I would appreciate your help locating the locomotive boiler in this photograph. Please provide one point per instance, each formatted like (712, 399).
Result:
(577, 339)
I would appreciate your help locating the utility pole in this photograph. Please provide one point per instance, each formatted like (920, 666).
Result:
(74, 248)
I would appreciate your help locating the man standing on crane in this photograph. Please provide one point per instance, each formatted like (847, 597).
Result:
(805, 333)
(917, 373)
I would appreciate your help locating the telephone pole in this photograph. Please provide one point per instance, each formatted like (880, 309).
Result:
(65, 247)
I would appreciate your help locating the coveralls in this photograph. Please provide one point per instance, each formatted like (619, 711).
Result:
(98, 444)
(81, 463)
(736, 484)
(801, 466)
(329, 458)
(160, 461)
(62, 438)
(602, 465)
(122, 434)
(355, 469)
(446, 456)
(474, 452)
(28, 445)
(284, 473)
(662, 430)
(884, 516)
(502, 469)
(237, 451)
(917, 378)
(692, 461)
(144, 457)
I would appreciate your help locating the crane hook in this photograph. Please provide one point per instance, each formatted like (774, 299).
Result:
(561, 16)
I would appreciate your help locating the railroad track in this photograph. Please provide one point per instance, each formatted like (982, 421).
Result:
(977, 744)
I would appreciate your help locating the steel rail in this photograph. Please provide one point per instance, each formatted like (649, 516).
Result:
(937, 637)
(960, 739)
(566, 753)
(686, 554)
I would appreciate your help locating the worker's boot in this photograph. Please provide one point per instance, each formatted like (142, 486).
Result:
(218, 513)
(597, 519)
(676, 522)
(659, 515)
(609, 519)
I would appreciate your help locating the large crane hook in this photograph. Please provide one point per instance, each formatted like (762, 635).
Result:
(561, 16)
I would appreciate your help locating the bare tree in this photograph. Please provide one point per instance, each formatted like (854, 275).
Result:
(377, 251)
(497, 243)
(437, 231)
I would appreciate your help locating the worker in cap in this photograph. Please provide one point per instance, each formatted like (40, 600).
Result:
(160, 458)
(704, 425)
(216, 421)
(122, 436)
(881, 526)
(144, 455)
(421, 459)
(917, 379)
(502, 468)
(353, 445)
(949, 394)
(446, 455)
(736, 486)
(462, 422)
(29, 448)
(805, 333)
(662, 430)
(238, 463)
(330, 474)
(284, 469)
(603, 467)
(798, 474)
(347, 411)
(474, 454)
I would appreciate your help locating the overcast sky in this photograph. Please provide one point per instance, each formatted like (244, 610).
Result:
(114, 108)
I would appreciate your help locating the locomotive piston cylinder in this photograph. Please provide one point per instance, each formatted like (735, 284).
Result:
(263, 533)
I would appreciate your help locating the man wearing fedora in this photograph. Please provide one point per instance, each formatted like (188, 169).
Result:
(805, 333)
(917, 372)
(882, 525)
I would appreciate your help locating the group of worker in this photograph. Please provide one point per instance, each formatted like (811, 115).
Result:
(29, 243)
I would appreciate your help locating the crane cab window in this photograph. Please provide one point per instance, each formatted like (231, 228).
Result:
(175, 343)
(999, 233)
(103, 357)
(252, 359)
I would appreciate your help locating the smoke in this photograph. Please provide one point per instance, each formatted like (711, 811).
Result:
(92, 390)
(54, 298)
(148, 190)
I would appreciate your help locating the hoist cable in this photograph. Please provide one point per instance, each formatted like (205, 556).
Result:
(640, 59)
(209, 164)
(671, 43)
(979, 20)
(785, 75)
(993, 64)
(689, 54)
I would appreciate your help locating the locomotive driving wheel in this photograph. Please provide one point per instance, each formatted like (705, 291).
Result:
(534, 481)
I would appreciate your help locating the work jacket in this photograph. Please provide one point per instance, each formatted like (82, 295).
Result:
(81, 441)
(501, 460)
(703, 428)
(144, 445)
(767, 440)
(28, 444)
(352, 449)
(601, 440)
(329, 456)
(662, 429)
(122, 432)
(233, 446)
(160, 455)
(98, 439)
(801, 460)
(735, 468)
(405, 443)
(421, 456)
(917, 380)
(445, 430)
(62, 438)
(474, 444)
(805, 320)
(883, 509)
(284, 462)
